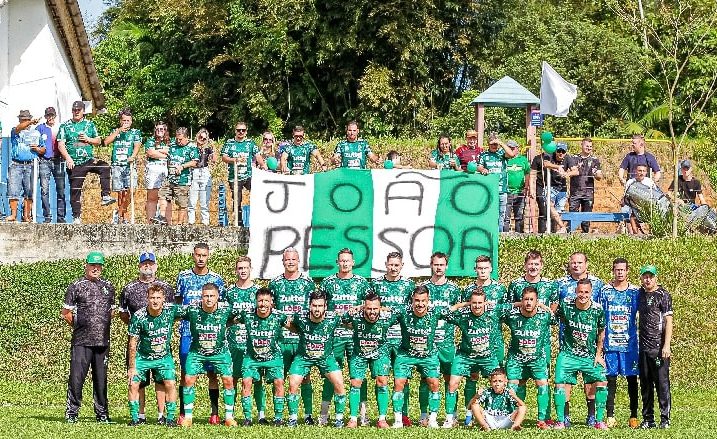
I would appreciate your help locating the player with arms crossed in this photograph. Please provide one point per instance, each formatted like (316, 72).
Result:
(395, 293)
(498, 407)
(344, 290)
(150, 349)
(316, 335)
(262, 355)
(581, 350)
(291, 296)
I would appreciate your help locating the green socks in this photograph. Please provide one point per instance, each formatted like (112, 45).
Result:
(397, 400)
(279, 407)
(307, 396)
(133, 410)
(327, 391)
(469, 391)
(406, 397)
(229, 395)
(451, 402)
(354, 400)
(382, 400)
(434, 402)
(259, 396)
(188, 396)
(292, 400)
(560, 403)
(423, 397)
(246, 406)
(171, 408)
(521, 392)
(600, 400)
(543, 402)
(340, 405)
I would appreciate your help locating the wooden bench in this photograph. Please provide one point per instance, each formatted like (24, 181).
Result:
(573, 219)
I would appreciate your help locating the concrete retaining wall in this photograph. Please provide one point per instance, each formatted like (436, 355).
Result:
(40, 242)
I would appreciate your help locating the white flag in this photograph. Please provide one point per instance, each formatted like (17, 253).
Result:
(556, 94)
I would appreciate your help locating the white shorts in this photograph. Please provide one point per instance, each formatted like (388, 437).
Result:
(498, 422)
(154, 175)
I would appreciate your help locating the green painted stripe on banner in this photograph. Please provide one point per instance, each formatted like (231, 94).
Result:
(466, 223)
(342, 217)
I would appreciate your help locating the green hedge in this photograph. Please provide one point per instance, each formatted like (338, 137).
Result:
(34, 341)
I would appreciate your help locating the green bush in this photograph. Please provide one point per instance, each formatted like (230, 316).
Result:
(34, 342)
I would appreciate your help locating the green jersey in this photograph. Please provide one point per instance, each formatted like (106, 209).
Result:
(342, 295)
(152, 144)
(263, 335)
(419, 333)
(291, 297)
(208, 329)
(70, 131)
(528, 335)
(580, 328)
(444, 160)
(395, 295)
(244, 150)
(547, 290)
(316, 340)
(353, 154)
(123, 146)
(240, 300)
(154, 333)
(179, 155)
(369, 338)
(497, 404)
(476, 332)
(496, 296)
(495, 163)
(299, 157)
(516, 169)
(442, 297)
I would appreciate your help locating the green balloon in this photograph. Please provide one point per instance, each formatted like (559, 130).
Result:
(388, 164)
(472, 167)
(549, 147)
(546, 137)
(272, 163)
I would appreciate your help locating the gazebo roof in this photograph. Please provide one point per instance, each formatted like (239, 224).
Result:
(507, 92)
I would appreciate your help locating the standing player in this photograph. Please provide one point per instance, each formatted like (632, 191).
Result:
(316, 335)
(529, 326)
(189, 291)
(418, 349)
(578, 269)
(619, 302)
(291, 295)
(242, 297)
(133, 298)
(343, 291)
(208, 326)
(496, 296)
(353, 152)
(263, 354)
(581, 350)
(477, 353)
(370, 350)
(150, 350)
(395, 293)
(444, 294)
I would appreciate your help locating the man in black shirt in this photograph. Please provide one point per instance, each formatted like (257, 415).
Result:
(655, 335)
(583, 170)
(539, 168)
(689, 189)
(88, 308)
(134, 298)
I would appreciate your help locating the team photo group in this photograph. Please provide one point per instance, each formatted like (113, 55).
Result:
(488, 339)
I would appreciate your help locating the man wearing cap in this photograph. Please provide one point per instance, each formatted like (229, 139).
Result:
(638, 156)
(654, 305)
(518, 170)
(89, 304)
(493, 161)
(689, 189)
(52, 166)
(583, 170)
(26, 144)
(76, 140)
(133, 298)
(470, 152)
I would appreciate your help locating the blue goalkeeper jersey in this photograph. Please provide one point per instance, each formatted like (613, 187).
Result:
(189, 289)
(620, 317)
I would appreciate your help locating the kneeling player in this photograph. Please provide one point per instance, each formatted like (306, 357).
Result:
(581, 350)
(208, 326)
(476, 353)
(150, 349)
(498, 407)
(316, 334)
(263, 353)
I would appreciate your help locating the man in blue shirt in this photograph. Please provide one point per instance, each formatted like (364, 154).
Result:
(26, 145)
(52, 166)
(189, 291)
